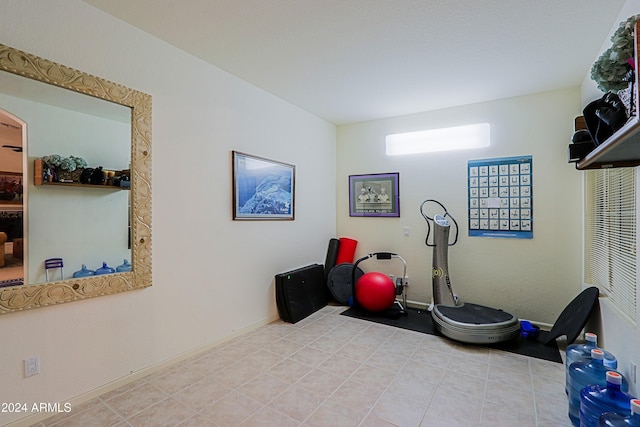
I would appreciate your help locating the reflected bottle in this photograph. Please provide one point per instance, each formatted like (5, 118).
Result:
(83, 272)
(105, 269)
(124, 267)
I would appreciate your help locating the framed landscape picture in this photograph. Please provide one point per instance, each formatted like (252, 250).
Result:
(263, 189)
(375, 195)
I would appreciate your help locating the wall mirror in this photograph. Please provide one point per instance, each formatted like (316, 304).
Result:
(76, 223)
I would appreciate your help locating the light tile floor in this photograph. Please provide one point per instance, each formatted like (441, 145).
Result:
(333, 370)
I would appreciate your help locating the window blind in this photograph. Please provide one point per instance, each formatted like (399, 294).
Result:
(610, 236)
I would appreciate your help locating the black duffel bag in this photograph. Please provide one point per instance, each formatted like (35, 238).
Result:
(604, 117)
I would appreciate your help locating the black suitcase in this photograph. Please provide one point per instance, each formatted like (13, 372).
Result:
(301, 292)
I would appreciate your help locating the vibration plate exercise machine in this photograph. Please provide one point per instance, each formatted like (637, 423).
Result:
(460, 321)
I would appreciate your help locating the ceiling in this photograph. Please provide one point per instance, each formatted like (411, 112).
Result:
(355, 60)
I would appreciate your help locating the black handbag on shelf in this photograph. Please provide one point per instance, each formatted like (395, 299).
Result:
(604, 117)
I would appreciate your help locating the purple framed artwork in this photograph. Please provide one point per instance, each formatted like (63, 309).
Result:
(375, 195)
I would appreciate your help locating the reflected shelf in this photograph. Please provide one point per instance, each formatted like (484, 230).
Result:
(79, 184)
(38, 180)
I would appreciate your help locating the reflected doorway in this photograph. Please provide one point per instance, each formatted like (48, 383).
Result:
(12, 200)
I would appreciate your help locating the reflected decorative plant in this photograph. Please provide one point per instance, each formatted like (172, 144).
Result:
(68, 164)
(612, 70)
(52, 160)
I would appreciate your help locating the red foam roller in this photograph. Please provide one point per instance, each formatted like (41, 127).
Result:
(346, 250)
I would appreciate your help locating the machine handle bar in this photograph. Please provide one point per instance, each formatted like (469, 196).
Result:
(429, 219)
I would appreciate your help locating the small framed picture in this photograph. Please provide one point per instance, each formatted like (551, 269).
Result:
(11, 188)
(374, 195)
(262, 189)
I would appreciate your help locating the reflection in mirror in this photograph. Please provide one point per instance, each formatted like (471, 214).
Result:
(76, 224)
(107, 125)
(11, 198)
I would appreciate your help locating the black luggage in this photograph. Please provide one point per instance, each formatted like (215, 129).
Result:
(301, 292)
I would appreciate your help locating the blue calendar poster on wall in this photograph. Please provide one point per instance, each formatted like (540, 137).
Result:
(501, 197)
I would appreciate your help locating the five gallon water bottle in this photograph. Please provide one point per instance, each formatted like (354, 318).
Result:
(611, 419)
(597, 399)
(582, 374)
(582, 353)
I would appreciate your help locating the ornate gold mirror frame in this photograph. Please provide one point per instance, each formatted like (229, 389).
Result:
(39, 295)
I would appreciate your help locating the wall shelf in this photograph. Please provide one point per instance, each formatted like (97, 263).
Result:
(79, 184)
(622, 149)
(38, 180)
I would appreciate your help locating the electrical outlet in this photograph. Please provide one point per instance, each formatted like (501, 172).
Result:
(407, 231)
(31, 366)
(633, 372)
(406, 280)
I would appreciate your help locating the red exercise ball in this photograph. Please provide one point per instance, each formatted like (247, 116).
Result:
(375, 291)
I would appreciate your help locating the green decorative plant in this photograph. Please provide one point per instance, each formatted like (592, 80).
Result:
(52, 160)
(611, 70)
(68, 164)
(79, 161)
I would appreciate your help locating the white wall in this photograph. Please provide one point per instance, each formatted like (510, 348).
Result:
(616, 334)
(211, 276)
(533, 279)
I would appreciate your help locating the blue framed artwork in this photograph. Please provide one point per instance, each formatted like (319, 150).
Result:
(263, 189)
(501, 197)
(376, 195)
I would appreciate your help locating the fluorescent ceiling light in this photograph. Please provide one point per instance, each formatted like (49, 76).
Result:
(445, 139)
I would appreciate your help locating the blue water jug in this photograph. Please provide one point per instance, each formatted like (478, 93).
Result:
(582, 374)
(105, 269)
(611, 419)
(595, 400)
(124, 267)
(83, 272)
(582, 353)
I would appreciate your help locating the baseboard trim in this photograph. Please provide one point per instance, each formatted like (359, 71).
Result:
(134, 376)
